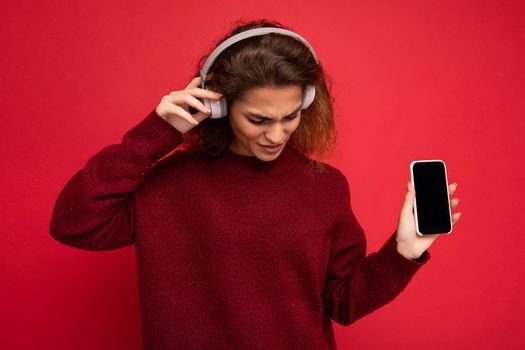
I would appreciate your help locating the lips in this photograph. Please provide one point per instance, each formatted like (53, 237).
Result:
(271, 149)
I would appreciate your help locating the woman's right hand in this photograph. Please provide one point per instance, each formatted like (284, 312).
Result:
(174, 107)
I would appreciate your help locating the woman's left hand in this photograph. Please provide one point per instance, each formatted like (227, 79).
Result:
(409, 243)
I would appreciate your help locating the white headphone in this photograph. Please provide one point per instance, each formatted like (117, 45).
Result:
(219, 108)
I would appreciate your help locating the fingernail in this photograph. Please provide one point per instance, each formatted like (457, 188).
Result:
(194, 121)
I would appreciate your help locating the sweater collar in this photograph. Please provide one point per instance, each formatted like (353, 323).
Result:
(287, 159)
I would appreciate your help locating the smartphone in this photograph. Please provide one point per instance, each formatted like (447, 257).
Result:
(432, 204)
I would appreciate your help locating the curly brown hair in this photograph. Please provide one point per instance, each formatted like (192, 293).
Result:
(270, 60)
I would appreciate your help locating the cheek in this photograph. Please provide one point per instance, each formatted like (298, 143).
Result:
(240, 126)
(253, 133)
(295, 124)
(248, 130)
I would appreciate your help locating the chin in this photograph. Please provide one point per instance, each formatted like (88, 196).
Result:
(268, 158)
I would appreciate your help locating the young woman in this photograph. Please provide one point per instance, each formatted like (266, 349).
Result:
(243, 240)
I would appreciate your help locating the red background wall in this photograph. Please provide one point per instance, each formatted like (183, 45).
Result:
(412, 80)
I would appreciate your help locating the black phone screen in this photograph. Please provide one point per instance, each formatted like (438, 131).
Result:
(432, 200)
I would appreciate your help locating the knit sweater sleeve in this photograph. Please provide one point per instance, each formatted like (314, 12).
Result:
(95, 209)
(357, 284)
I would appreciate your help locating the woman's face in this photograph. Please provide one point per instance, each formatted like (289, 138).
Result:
(265, 116)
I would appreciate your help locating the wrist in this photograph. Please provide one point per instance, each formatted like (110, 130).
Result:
(406, 252)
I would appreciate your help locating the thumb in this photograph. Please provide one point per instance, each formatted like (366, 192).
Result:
(408, 204)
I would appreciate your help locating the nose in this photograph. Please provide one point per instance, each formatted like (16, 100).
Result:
(276, 134)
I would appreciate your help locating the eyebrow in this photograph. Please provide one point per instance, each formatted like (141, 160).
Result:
(250, 114)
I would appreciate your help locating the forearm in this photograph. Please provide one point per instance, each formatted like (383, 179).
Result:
(94, 210)
(373, 281)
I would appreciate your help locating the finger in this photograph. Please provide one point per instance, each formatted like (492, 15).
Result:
(191, 101)
(181, 112)
(408, 202)
(199, 93)
(454, 203)
(455, 218)
(194, 82)
(452, 188)
(410, 186)
(204, 93)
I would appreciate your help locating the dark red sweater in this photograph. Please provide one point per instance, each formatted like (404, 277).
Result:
(232, 252)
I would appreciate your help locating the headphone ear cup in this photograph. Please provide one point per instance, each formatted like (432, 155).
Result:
(218, 108)
(309, 96)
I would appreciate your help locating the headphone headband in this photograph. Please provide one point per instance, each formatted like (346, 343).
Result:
(219, 108)
(247, 34)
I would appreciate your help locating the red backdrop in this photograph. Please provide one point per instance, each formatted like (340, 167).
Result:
(412, 80)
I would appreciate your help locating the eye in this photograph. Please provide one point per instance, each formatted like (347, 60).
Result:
(259, 122)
